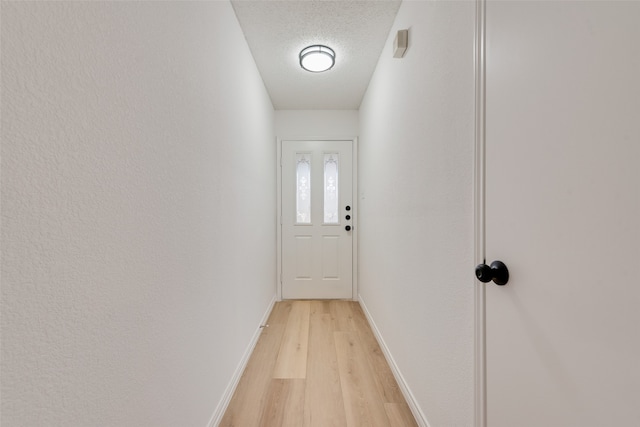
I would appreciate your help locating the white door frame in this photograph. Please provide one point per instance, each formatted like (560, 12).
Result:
(480, 350)
(354, 260)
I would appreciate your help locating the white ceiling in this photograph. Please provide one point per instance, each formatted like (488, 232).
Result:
(277, 31)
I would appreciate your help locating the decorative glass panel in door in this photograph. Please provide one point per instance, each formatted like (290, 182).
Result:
(303, 188)
(331, 189)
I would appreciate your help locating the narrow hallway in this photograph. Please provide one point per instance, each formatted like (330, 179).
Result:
(317, 363)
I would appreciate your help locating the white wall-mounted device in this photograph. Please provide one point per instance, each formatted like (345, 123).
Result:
(400, 43)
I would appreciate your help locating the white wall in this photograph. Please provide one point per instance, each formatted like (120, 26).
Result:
(416, 211)
(316, 123)
(138, 211)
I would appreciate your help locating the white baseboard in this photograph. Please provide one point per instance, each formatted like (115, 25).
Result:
(216, 418)
(421, 419)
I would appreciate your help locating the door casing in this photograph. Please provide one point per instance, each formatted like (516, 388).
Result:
(354, 141)
(480, 352)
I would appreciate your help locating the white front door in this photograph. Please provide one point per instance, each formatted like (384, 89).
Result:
(317, 219)
(563, 213)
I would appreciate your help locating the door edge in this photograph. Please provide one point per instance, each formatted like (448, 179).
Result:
(480, 366)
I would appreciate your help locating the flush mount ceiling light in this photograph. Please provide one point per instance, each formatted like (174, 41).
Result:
(317, 58)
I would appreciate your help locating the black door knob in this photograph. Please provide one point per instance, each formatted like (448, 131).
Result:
(348, 208)
(348, 228)
(497, 272)
(348, 217)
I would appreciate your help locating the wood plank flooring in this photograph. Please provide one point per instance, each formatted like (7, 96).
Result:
(317, 364)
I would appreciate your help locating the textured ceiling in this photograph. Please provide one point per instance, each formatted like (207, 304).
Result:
(277, 31)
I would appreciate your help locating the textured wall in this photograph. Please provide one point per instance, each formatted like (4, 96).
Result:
(416, 211)
(316, 123)
(138, 213)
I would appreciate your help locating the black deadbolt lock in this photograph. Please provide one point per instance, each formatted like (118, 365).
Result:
(348, 217)
(348, 208)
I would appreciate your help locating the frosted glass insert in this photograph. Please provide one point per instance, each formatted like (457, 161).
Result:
(303, 188)
(331, 188)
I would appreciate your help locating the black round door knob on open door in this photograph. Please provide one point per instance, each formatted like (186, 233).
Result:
(498, 272)
(348, 228)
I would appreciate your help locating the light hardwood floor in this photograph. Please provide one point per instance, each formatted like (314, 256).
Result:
(317, 364)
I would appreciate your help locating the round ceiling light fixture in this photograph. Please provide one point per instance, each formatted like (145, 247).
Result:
(317, 58)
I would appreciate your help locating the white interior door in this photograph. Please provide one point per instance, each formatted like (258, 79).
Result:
(317, 220)
(563, 213)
